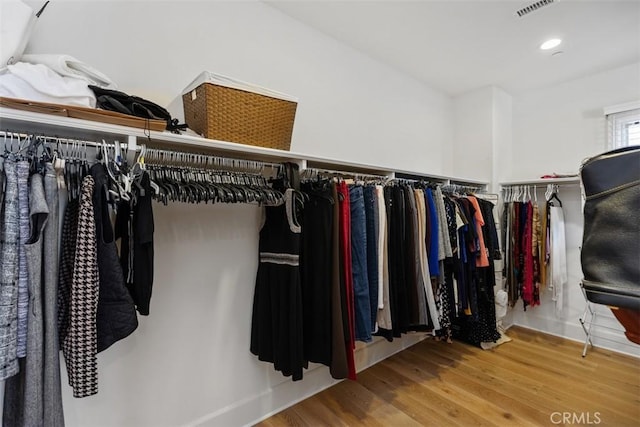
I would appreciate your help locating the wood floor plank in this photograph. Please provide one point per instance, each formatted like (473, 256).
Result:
(357, 399)
(434, 402)
(596, 364)
(599, 360)
(517, 383)
(533, 390)
(551, 341)
(499, 375)
(482, 386)
(395, 417)
(617, 381)
(488, 410)
(322, 414)
(541, 372)
(628, 382)
(288, 418)
(420, 410)
(558, 373)
(569, 393)
(331, 402)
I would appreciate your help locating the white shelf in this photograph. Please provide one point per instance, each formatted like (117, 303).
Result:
(543, 181)
(67, 127)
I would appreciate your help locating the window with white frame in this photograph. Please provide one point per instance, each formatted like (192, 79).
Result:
(623, 126)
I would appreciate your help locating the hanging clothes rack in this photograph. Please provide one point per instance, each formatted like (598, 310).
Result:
(413, 181)
(196, 178)
(77, 148)
(534, 236)
(314, 173)
(188, 159)
(69, 146)
(461, 189)
(177, 176)
(555, 184)
(526, 192)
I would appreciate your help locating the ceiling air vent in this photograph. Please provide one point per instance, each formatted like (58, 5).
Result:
(533, 7)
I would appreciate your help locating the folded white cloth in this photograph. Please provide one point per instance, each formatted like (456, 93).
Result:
(68, 66)
(40, 83)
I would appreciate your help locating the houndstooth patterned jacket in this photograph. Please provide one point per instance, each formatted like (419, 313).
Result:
(80, 337)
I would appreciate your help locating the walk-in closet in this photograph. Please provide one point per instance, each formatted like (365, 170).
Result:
(307, 213)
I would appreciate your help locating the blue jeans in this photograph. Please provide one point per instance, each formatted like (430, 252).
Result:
(371, 211)
(362, 303)
(432, 245)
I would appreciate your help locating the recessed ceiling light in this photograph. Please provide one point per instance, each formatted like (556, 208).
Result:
(550, 44)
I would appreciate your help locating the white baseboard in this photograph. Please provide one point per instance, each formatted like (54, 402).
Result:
(602, 338)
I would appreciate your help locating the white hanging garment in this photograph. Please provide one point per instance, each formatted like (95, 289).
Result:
(383, 317)
(558, 263)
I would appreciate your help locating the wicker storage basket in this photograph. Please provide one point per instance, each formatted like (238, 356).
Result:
(224, 109)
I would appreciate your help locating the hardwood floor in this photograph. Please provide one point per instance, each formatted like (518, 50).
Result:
(536, 379)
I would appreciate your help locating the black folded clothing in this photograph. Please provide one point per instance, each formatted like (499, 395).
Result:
(113, 100)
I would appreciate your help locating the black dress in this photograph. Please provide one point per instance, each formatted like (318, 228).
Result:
(276, 326)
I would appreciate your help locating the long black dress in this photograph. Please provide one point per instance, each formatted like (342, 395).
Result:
(276, 326)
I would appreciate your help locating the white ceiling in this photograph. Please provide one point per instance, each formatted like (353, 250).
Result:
(458, 46)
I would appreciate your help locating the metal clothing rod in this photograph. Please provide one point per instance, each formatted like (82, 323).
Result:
(492, 197)
(536, 186)
(516, 192)
(311, 172)
(457, 188)
(413, 180)
(162, 157)
(7, 135)
(152, 155)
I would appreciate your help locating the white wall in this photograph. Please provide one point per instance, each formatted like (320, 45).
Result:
(351, 107)
(473, 133)
(502, 136)
(554, 129)
(482, 134)
(189, 361)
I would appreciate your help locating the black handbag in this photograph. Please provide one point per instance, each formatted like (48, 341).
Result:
(610, 254)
